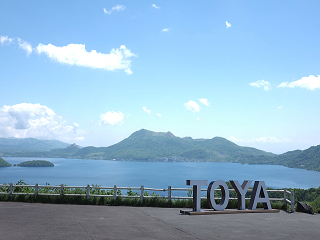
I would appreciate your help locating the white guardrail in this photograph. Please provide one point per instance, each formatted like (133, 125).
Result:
(142, 190)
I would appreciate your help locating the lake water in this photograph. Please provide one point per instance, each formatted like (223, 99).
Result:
(80, 172)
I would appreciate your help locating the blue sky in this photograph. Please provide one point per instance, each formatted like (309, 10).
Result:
(93, 72)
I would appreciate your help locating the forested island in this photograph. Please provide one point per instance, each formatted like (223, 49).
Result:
(145, 145)
(36, 163)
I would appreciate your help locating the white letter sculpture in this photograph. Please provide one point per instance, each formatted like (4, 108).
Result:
(225, 195)
(197, 192)
(259, 188)
(241, 192)
(259, 194)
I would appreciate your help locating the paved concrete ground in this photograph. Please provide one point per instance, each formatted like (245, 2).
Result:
(51, 221)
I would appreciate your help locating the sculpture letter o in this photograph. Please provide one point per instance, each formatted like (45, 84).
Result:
(225, 195)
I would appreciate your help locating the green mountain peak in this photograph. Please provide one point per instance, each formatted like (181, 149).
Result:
(143, 133)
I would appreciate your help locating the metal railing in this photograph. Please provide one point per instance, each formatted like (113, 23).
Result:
(115, 194)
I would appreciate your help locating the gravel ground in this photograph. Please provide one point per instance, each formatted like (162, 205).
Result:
(55, 221)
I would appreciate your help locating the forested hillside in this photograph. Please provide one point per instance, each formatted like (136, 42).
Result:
(145, 145)
(29, 144)
(4, 163)
(307, 159)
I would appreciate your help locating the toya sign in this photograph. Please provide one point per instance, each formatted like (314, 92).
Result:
(259, 194)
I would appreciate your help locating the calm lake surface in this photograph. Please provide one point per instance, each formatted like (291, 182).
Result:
(80, 172)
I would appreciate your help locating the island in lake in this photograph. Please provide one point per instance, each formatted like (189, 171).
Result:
(36, 163)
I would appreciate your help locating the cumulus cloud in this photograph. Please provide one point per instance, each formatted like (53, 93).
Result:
(25, 46)
(146, 110)
(192, 106)
(159, 115)
(204, 101)
(310, 83)
(76, 54)
(155, 6)
(5, 40)
(112, 118)
(228, 24)
(115, 8)
(260, 140)
(24, 114)
(261, 83)
(165, 30)
(34, 120)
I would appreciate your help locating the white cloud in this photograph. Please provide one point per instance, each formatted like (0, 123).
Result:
(76, 54)
(260, 140)
(261, 83)
(22, 44)
(128, 71)
(118, 8)
(233, 139)
(159, 115)
(5, 40)
(155, 6)
(280, 107)
(25, 46)
(204, 101)
(310, 83)
(165, 30)
(192, 106)
(79, 138)
(115, 8)
(271, 140)
(228, 24)
(112, 118)
(146, 110)
(34, 120)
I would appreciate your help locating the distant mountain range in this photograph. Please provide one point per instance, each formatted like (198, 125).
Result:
(145, 145)
(29, 145)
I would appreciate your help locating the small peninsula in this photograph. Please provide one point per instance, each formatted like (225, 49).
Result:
(36, 163)
(4, 163)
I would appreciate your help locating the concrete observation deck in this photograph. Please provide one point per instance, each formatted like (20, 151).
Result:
(53, 221)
